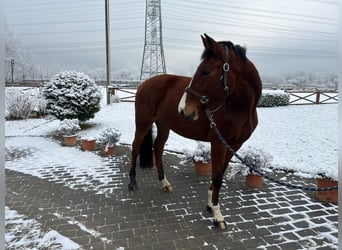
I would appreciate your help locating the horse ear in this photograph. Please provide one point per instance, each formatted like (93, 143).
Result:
(204, 40)
(208, 42)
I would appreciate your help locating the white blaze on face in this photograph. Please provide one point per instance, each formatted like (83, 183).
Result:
(182, 102)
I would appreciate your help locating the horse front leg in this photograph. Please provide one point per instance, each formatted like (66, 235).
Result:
(218, 161)
(162, 135)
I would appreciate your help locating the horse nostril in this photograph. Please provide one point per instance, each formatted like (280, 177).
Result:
(181, 112)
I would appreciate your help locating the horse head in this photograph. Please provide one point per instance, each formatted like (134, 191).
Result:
(214, 79)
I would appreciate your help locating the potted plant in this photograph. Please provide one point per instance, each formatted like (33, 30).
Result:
(108, 138)
(323, 181)
(88, 143)
(201, 157)
(256, 158)
(68, 128)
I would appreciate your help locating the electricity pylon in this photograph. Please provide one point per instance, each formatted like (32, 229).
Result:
(153, 62)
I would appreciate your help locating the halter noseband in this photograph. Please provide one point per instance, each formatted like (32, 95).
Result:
(205, 99)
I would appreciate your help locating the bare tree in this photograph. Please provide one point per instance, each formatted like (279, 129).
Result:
(19, 65)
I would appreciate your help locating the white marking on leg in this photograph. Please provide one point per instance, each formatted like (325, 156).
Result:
(210, 198)
(165, 182)
(217, 213)
(167, 187)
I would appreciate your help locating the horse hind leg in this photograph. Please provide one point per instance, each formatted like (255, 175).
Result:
(162, 135)
(140, 134)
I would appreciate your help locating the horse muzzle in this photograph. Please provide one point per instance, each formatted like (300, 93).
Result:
(186, 110)
(192, 117)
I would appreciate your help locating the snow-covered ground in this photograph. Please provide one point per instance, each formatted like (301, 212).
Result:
(301, 138)
(30, 236)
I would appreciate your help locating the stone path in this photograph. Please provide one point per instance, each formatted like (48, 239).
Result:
(272, 217)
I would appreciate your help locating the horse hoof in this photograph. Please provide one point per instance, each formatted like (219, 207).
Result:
(168, 189)
(209, 209)
(132, 187)
(220, 224)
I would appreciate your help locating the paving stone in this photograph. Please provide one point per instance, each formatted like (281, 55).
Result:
(164, 245)
(301, 224)
(300, 208)
(305, 232)
(274, 239)
(254, 242)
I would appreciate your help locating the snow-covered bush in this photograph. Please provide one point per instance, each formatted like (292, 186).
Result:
(21, 103)
(68, 127)
(253, 157)
(273, 98)
(72, 95)
(115, 99)
(109, 137)
(202, 153)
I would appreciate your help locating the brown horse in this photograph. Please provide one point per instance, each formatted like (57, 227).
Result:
(223, 92)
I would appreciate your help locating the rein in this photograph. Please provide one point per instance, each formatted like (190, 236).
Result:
(254, 169)
(205, 99)
(210, 113)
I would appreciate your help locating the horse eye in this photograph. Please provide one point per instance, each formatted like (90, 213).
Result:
(205, 73)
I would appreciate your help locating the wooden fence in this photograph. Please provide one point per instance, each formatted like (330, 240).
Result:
(296, 97)
(313, 97)
(126, 94)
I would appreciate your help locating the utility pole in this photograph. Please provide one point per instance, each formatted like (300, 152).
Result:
(107, 29)
(153, 62)
(12, 69)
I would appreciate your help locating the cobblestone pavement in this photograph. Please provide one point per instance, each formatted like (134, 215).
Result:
(272, 217)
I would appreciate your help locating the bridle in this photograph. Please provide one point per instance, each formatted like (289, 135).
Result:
(204, 99)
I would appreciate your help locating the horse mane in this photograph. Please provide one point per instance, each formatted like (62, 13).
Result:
(239, 51)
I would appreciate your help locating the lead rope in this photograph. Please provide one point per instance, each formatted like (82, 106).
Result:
(252, 167)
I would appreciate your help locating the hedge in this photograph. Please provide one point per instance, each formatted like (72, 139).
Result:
(273, 98)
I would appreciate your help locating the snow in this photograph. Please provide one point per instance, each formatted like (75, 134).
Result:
(31, 235)
(302, 138)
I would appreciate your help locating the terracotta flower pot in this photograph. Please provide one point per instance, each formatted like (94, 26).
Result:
(202, 168)
(327, 196)
(108, 151)
(254, 180)
(88, 145)
(69, 140)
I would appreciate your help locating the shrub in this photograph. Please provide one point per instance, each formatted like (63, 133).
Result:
(202, 153)
(68, 127)
(252, 156)
(273, 98)
(72, 95)
(21, 103)
(109, 137)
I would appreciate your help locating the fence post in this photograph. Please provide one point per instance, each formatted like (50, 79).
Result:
(318, 94)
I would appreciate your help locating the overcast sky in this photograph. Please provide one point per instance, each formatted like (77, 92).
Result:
(280, 36)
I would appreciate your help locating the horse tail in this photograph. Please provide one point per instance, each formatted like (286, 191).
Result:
(146, 158)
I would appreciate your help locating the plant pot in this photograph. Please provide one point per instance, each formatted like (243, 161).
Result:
(88, 145)
(254, 180)
(202, 168)
(108, 151)
(327, 196)
(69, 140)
